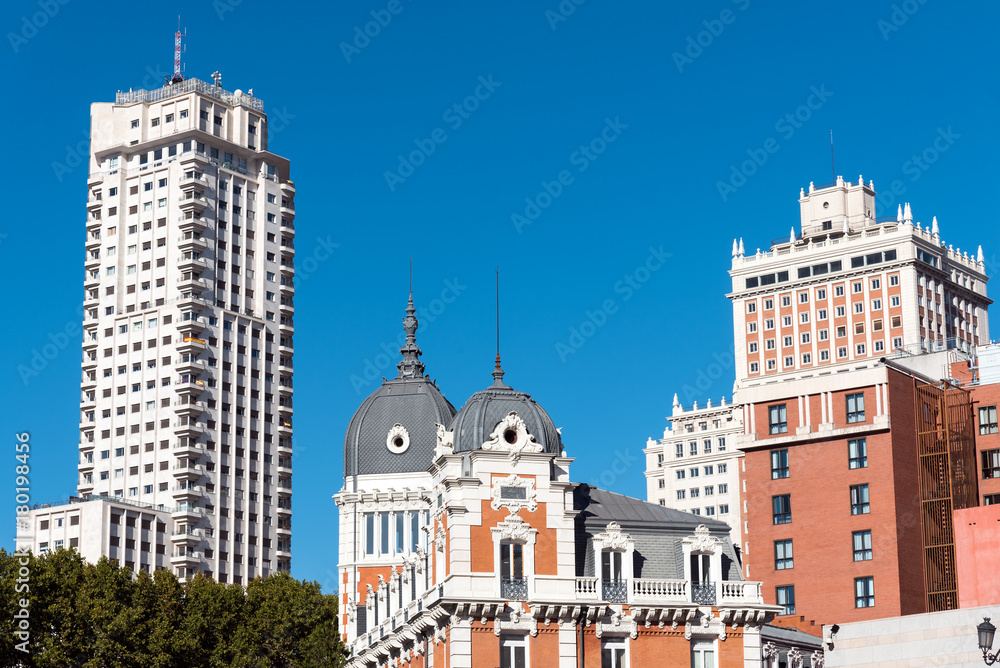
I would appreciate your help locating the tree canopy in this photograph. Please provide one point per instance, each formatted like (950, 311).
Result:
(102, 616)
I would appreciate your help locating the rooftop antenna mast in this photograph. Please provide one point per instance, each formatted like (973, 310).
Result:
(178, 50)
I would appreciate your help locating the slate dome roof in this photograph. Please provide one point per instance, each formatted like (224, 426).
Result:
(373, 444)
(487, 408)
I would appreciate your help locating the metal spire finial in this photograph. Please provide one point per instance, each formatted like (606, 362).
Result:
(497, 370)
(410, 366)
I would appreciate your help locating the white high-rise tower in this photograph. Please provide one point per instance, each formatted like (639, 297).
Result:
(186, 405)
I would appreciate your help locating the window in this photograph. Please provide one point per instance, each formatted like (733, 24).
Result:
(987, 420)
(613, 654)
(707, 446)
(694, 472)
(859, 307)
(821, 314)
(782, 508)
(384, 533)
(824, 334)
(721, 443)
(862, 545)
(859, 500)
(806, 337)
(661, 483)
(821, 293)
(786, 300)
(857, 451)
(513, 651)
(855, 408)
(778, 419)
(860, 349)
(807, 358)
(857, 287)
(724, 488)
(876, 304)
(991, 464)
(785, 597)
(723, 468)
(804, 317)
(864, 592)
(779, 464)
(839, 310)
(782, 554)
(695, 492)
(769, 344)
(681, 494)
(769, 323)
(842, 351)
(754, 367)
(693, 447)
(786, 342)
(680, 474)
(679, 450)
(894, 280)
(876, 283)
(751, 307)
(751, 327)
(803, 297)
(786, 321)
(512, 583)
(753, 347)
(768, 304)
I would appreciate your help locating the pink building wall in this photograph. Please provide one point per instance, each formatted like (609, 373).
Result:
(977, 550)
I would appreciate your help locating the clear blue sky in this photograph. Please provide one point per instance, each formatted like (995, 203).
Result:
(674, 120)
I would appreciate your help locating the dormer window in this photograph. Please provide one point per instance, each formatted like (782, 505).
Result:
(612, 576)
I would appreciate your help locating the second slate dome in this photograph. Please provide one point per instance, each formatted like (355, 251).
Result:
(487, 408)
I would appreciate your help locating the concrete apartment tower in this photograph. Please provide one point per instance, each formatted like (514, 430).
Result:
(186, 387)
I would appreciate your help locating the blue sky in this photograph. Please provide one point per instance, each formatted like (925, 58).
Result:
(598, 153)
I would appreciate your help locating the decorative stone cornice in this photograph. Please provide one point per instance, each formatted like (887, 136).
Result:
(703, 542)
(514, 528)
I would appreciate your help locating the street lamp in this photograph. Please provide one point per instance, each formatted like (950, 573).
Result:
(986, 633)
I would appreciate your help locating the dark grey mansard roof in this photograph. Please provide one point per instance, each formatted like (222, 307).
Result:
(657, 530)
(411, 400)
(486, 408)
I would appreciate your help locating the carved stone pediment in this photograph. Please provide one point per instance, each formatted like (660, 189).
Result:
(511, 435)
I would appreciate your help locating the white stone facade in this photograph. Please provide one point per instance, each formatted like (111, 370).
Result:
(695, 466)
(848, 286)
(186, 400)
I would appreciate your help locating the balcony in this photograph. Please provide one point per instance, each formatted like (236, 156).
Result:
(188, 429)
(90, 281)
(190, 450)
(285, 388)
(187, 536)
(285, 428)
(191, 262)
(187, 513)
(192, 183)
(188, 470)
(188, 492)
(514, 590)
(191, 345)
(88, 382)
(669, 591)
(192, 301)
(192, 204)
(91, 263)
(93, 242)
(89, 363)
(192, 282)
(285, 446)
(94, 204)
(190, 364)
(189, 409)
(191, 243)
(190, 326)
(192, 224)
(186, 558)
(287, 226)
(190, 388)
